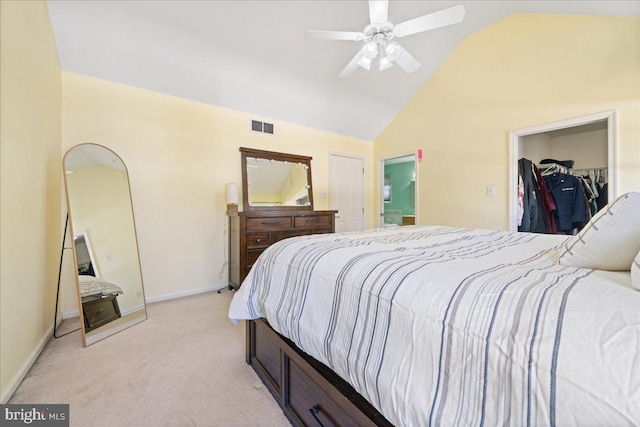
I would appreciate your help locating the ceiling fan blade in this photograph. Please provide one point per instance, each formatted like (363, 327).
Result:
(442, 18)
(333, 35)
(406, 61)
(353, 65)
(378, 11)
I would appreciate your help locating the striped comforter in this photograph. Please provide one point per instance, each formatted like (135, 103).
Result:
(457, 327)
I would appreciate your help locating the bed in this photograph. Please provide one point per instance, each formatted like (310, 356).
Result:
(99, 301)
(91, 286)
(435, 325)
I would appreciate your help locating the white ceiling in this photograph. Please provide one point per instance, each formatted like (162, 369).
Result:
(252, 56)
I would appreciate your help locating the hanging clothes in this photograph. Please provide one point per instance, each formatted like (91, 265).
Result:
(590, 194)
(520, 201)
(596, 194)
(603, 198)
(533, 216)
(587, 196)
(568, 195)
(548, 205)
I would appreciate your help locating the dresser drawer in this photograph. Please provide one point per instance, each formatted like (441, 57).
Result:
(269, 223)
(251, 232)
(98, 312)
(253, 255)
(312, 221)
(308, 401)
(258, 240)
(322, 230)
(280, 235)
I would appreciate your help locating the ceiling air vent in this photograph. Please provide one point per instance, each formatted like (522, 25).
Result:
(257, 126)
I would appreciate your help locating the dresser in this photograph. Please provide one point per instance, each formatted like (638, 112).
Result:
(99, 310)
(251, 232)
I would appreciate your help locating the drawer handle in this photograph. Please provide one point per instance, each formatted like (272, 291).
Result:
(314, 410)
(270, 223)
(258, 240)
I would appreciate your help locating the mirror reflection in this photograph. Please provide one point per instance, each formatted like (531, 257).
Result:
(277, 183)
(109, 280)
(272, 182)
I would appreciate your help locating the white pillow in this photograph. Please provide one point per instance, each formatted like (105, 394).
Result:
(610, 240)
(635, 272)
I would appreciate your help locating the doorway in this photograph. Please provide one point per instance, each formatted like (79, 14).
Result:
(397, 191)
(84, 255)
(604, 122)
(347, 191)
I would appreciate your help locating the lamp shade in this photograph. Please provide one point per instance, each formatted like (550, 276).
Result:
(232, 194)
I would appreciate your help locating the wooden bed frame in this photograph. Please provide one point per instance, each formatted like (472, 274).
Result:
(309, 393)
(99, 310)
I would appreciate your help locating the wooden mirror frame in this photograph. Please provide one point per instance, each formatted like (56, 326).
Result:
(91, 335)
(263, 154)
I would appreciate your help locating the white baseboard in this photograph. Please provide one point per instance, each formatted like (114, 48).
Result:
(24, 369)
(70, 314)
(131, 310)
(175, 295)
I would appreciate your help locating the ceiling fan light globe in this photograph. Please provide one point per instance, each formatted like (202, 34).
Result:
(370, 50)
(385, 63)
(365, 63)
(392, 50)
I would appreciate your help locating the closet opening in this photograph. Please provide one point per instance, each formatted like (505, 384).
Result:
(574, 157)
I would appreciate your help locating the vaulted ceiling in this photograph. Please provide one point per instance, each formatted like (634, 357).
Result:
(251, 56)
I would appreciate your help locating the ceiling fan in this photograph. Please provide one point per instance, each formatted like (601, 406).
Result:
(379, 34)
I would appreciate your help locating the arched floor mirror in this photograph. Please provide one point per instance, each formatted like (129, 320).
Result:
(105, 248)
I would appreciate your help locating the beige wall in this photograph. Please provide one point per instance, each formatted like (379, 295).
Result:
(522, 71)
(30, 185)
(180, 154)
(586, 149)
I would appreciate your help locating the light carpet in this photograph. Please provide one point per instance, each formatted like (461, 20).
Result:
(183, 366)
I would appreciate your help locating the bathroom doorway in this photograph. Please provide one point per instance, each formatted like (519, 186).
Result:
(397, 191)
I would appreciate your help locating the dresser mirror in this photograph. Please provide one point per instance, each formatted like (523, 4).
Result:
(105, 249)
(273, 180)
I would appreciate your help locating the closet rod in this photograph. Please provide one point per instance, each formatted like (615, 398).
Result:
(564, 169)
(589, 169)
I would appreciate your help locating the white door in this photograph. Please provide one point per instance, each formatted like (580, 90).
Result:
(347, 192)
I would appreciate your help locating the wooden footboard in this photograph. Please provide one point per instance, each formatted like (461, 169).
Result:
(309, 393)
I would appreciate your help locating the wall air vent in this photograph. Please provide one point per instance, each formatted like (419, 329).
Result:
(257, 126)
